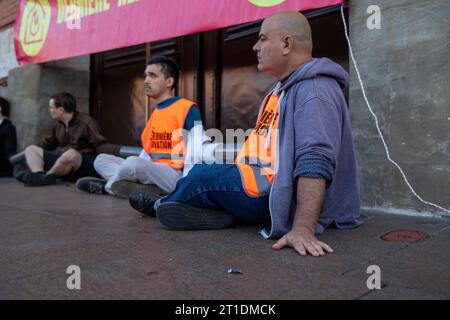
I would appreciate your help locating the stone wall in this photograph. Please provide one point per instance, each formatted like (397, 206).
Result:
(405, 68)
(8, 59)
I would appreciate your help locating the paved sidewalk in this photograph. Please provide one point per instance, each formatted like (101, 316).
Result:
(123, 256)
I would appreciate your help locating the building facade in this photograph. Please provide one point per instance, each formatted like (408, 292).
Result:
(403, 64)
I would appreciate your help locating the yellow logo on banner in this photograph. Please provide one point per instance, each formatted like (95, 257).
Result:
(266, 3)
(34, 27)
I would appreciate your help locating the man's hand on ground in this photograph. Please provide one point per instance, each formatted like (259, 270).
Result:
(303, 241)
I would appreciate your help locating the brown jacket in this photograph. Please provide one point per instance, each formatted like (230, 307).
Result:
(82, 134)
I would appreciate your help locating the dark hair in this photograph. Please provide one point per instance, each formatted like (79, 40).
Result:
(4, 104)
(65, 100)
(168, 67)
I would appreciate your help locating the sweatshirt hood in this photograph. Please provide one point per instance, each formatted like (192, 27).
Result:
(317, 67)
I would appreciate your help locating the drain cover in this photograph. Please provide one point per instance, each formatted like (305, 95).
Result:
(404, 236)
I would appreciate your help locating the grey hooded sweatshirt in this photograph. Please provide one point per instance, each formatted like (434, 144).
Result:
(315, 140)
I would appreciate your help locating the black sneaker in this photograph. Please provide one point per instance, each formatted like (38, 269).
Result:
(91, 185)
(124, 188)
(143, 202)
(37, 179)
(20, 174)
(181, 216)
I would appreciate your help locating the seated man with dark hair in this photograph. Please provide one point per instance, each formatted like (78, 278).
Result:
(8, 140)
(70, 151)
(166, 155)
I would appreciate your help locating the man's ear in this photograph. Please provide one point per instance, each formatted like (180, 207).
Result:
(170, 81)
(288, 44)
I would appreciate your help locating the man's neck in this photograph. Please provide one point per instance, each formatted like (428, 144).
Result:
(163, 97)
(292, 66)
(66, 118)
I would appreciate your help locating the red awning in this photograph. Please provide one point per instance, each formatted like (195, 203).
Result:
(45, 29)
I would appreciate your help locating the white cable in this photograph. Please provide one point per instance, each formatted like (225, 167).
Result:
(376, 119)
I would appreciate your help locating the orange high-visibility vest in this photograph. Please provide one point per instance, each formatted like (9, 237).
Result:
(162, 137)
(256, 159)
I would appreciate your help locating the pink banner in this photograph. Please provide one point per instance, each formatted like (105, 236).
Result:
(54, 29)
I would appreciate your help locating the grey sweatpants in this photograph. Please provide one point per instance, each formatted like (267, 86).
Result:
(136, 169)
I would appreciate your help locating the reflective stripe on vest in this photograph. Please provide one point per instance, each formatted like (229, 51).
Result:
(255, 183)
(158, 139)
(158, 156)
(256, 159)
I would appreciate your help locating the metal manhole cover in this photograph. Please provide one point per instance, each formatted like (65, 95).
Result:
(404, 236)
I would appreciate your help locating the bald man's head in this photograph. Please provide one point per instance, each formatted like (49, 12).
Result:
(284, 43)
(295, 24)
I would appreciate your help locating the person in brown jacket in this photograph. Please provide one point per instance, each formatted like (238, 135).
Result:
(70, 151)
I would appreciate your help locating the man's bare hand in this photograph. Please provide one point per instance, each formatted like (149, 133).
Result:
(303, 241)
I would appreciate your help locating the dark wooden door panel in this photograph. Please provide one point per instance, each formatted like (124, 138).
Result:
(118, 101)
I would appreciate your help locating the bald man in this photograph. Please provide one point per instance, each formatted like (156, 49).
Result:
(297, 171)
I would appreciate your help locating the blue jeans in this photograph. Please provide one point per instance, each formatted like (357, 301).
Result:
(219, 186)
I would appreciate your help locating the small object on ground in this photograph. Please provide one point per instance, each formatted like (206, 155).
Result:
(234, 271)
(404, 236)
